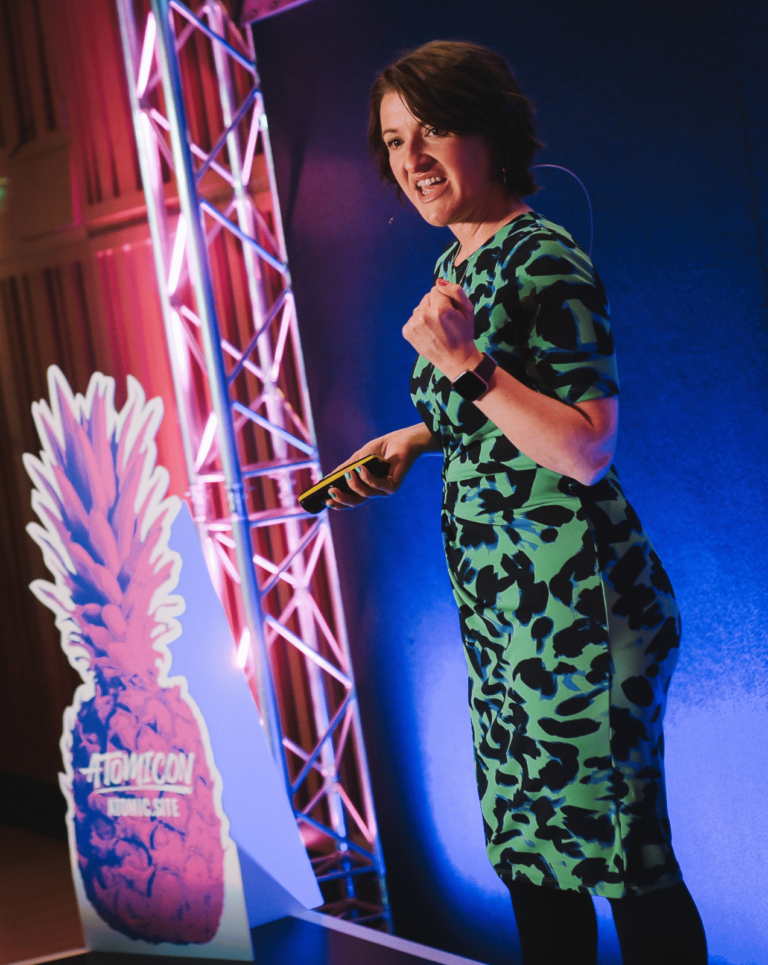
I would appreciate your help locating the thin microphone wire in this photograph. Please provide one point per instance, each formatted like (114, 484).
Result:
(559, 167)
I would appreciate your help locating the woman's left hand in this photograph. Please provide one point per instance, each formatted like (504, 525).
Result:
(442, 329)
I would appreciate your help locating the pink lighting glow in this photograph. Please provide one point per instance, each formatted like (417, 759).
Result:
(147, 56)
(205, 443)
(177, 256)
(180, 347)
(244, 648)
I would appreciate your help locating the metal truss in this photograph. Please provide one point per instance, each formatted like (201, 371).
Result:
(244, 415)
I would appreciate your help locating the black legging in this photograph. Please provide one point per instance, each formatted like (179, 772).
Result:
(560, 927)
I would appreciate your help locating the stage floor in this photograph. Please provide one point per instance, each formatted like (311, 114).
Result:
(39, 922)
(293, 941)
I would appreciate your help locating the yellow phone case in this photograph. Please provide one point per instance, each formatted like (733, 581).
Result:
(313, 499)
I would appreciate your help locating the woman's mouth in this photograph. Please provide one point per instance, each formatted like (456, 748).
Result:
(430, 187)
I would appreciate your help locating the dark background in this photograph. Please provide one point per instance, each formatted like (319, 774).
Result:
(660, 108)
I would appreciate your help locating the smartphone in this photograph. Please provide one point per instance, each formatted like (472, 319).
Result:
(313, 499)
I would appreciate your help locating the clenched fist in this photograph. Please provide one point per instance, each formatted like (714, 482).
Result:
(442, 329)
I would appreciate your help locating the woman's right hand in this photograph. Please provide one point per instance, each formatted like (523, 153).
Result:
(400, 448)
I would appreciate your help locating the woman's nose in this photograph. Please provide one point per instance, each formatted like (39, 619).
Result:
(416, 158)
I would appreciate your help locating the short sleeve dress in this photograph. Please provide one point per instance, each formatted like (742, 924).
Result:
(569, 621)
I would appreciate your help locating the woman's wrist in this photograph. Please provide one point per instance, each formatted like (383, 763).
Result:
(466, 362)
(419, 438)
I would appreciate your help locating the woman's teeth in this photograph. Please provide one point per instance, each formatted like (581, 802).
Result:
(426, 183)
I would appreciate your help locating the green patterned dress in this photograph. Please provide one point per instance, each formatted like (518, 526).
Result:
(569, 622)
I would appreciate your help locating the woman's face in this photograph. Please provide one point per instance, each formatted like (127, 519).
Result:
(448, 177)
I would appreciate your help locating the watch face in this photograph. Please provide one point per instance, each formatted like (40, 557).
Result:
(470, 386)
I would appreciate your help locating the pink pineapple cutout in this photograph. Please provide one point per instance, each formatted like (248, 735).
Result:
(142, 789)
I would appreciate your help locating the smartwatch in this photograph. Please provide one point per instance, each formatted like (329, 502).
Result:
(474, 383)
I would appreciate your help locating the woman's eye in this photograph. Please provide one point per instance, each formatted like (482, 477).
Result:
(393, 143)
(435, 132)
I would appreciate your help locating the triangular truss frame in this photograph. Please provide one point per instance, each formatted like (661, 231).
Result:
(245, 420)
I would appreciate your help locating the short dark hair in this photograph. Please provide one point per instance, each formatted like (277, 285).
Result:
(463, 88)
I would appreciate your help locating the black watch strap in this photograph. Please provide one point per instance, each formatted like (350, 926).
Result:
(474, 383)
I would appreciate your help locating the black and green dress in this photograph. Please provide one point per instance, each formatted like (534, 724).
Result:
(568, 618)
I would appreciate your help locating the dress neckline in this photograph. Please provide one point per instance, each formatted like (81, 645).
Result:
(460, 270)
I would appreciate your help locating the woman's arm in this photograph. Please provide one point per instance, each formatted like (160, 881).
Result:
(401, 449)
(575, 440)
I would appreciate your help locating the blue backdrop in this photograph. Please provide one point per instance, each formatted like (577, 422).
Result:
(660, 109)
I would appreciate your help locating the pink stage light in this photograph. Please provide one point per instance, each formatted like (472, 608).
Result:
(244, 648)
(214, 566)
(177, 256)
(205, 443)
(147, 56)
(180, 347)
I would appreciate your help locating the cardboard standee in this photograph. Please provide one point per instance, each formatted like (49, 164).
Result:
(181, 833)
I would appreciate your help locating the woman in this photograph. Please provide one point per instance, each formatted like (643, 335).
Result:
(568, 619)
